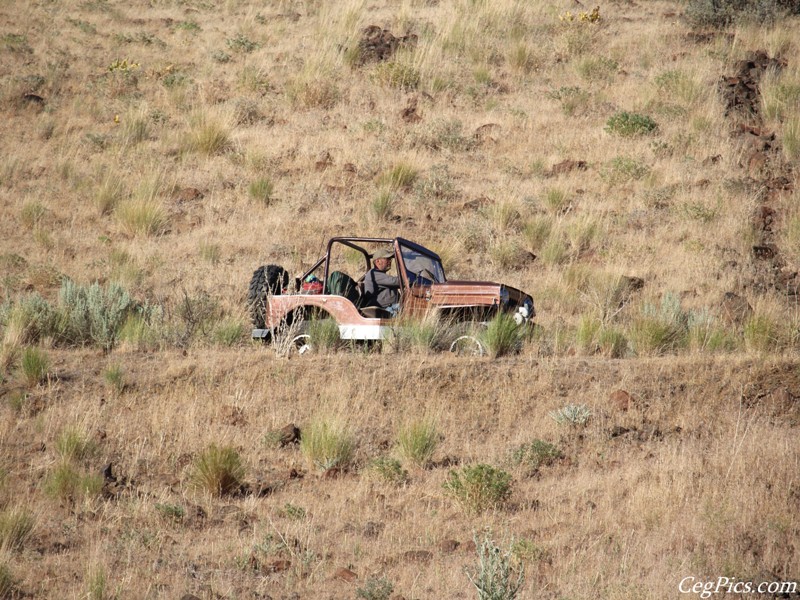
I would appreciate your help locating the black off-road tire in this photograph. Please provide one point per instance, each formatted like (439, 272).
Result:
(267, 280)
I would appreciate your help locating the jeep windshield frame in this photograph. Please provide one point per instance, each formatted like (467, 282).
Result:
(417, 259)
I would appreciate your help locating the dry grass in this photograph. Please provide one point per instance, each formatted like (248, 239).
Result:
(177, 146)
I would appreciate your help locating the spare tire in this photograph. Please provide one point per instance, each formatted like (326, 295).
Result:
(266, 280)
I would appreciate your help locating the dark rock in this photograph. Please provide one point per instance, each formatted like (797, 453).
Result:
(765, 252)
(277, 566)
(377, 44)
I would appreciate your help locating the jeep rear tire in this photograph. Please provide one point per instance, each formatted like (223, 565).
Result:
(267, 280)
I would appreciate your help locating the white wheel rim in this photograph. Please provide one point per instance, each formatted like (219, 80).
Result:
(467, 345)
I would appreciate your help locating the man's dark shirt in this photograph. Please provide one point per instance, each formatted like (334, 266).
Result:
(385, 289)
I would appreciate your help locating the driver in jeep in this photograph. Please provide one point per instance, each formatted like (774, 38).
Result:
(382, 289)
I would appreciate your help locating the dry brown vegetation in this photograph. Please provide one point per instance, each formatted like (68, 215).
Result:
(635, 173)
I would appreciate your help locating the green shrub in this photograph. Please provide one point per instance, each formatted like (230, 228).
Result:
(30, 319)
(210, 252)
(218, 471)
(534, 454)
(240, 43)
(16, 525)
(495, 577)
(503, 336)
(417, 441)
(228, 332)
(375, 588)
(171, 512)
(388, 469)
(575, 415)
(93, 314)
(478, 487)
(630, 124)
(327, 445)
(261, 190)
(721, 13)
(67, 483)
(397, 75)
(96, 583)
(35, 364)
(660, 329)
(622, 169)
(293, 512)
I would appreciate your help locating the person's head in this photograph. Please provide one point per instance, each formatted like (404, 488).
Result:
(382, 259)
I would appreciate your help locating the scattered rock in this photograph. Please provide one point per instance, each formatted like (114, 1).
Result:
(476, 203)
(188, 194)
(621, 400)
(373, 529)
(409, 114)
(289, 434)
(233, 415)
(487, 133)
(567, 166)
(189, 597)
(712, 160)
(764, 218)
(765, 252)
(418, 556)
(617, 431)
(344, 574)
(277, 566)
(33, 99)
(377, 44)
(448, 546)
(469, 547)
(324, 160)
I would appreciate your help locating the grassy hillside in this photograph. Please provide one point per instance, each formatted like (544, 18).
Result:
(632, 167)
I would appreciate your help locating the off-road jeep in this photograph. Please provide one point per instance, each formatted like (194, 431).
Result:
(334, 287)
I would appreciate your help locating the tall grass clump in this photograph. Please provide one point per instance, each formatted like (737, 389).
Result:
(478, 487)
(627, 124)
(400, 177)
(327, 445)
(73, 445)
(68, 483)
(142, 217)
(109, 193)
(763, 333)
(503, 336)
(16, 526)
(417, 441)
(218, 470)
(6, 581)
(496, 577)
(261, 190)
(34, 365)
(208, 134)
(32, 213)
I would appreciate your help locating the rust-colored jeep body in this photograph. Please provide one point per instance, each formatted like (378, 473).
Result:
(424, 288)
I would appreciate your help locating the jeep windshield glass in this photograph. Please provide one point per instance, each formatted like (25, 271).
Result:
(417, 262)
